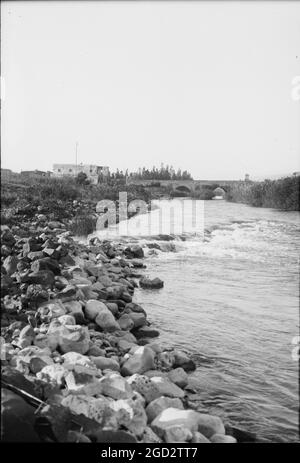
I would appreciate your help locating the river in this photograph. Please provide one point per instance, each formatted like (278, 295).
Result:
(231, 298)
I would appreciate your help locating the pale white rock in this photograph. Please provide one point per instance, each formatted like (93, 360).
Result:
(173, 416)
(71, 338)
(116, 387)
(162, 403)
(141, 361)
(54, 374)
(131, 414)
(94, 408)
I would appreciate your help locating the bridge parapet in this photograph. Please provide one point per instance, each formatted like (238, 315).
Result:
(190, 185)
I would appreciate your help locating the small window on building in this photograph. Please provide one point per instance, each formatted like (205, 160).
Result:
(59, 170)
(91, 170)
(70, 170)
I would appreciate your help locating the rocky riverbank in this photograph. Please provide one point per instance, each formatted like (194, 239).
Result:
(79, 358)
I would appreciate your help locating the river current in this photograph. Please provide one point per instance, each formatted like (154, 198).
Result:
(231, 299)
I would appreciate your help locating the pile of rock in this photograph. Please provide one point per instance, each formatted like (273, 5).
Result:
(75, 340)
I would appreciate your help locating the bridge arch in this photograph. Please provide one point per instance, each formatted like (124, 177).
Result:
(183, 188)
(219, 191)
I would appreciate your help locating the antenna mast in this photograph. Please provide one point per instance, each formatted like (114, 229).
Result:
(76, 150)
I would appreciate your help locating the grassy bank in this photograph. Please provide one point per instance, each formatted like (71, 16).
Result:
(63, 198)
(279, 194)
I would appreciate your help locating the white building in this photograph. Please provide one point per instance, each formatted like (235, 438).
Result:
(94, 173)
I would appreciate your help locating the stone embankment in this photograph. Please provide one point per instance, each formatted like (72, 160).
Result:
(79, 358)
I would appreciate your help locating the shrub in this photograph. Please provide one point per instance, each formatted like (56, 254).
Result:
(279, 194)
(83, 225)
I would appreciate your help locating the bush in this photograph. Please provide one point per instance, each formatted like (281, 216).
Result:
(82, 179)
(278, 194)
(83, 225)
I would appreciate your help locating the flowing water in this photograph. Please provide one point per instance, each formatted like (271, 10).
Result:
(231, 298)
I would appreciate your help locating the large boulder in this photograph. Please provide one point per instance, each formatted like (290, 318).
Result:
(107, 321)
(144, 386)
(178, 376)
(94, 408)
(54, 374)
(167, 388)
(98, 312)
(131, 414)
(172, 417)
(93, 308)
(160, 404)
(209, 425)
(140, 361)
(71, 338)
(115, 386)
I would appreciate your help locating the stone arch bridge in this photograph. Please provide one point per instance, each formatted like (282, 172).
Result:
(186, 186)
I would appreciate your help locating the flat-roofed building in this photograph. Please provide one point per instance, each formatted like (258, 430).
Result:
(94, 173)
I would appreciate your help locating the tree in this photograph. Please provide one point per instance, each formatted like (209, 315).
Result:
(82, 179)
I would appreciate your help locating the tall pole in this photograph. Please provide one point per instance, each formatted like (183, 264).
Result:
(76, 151)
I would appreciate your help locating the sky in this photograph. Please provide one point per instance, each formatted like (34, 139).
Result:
(204, 86)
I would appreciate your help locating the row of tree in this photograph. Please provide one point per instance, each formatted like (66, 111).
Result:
(163, 173)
